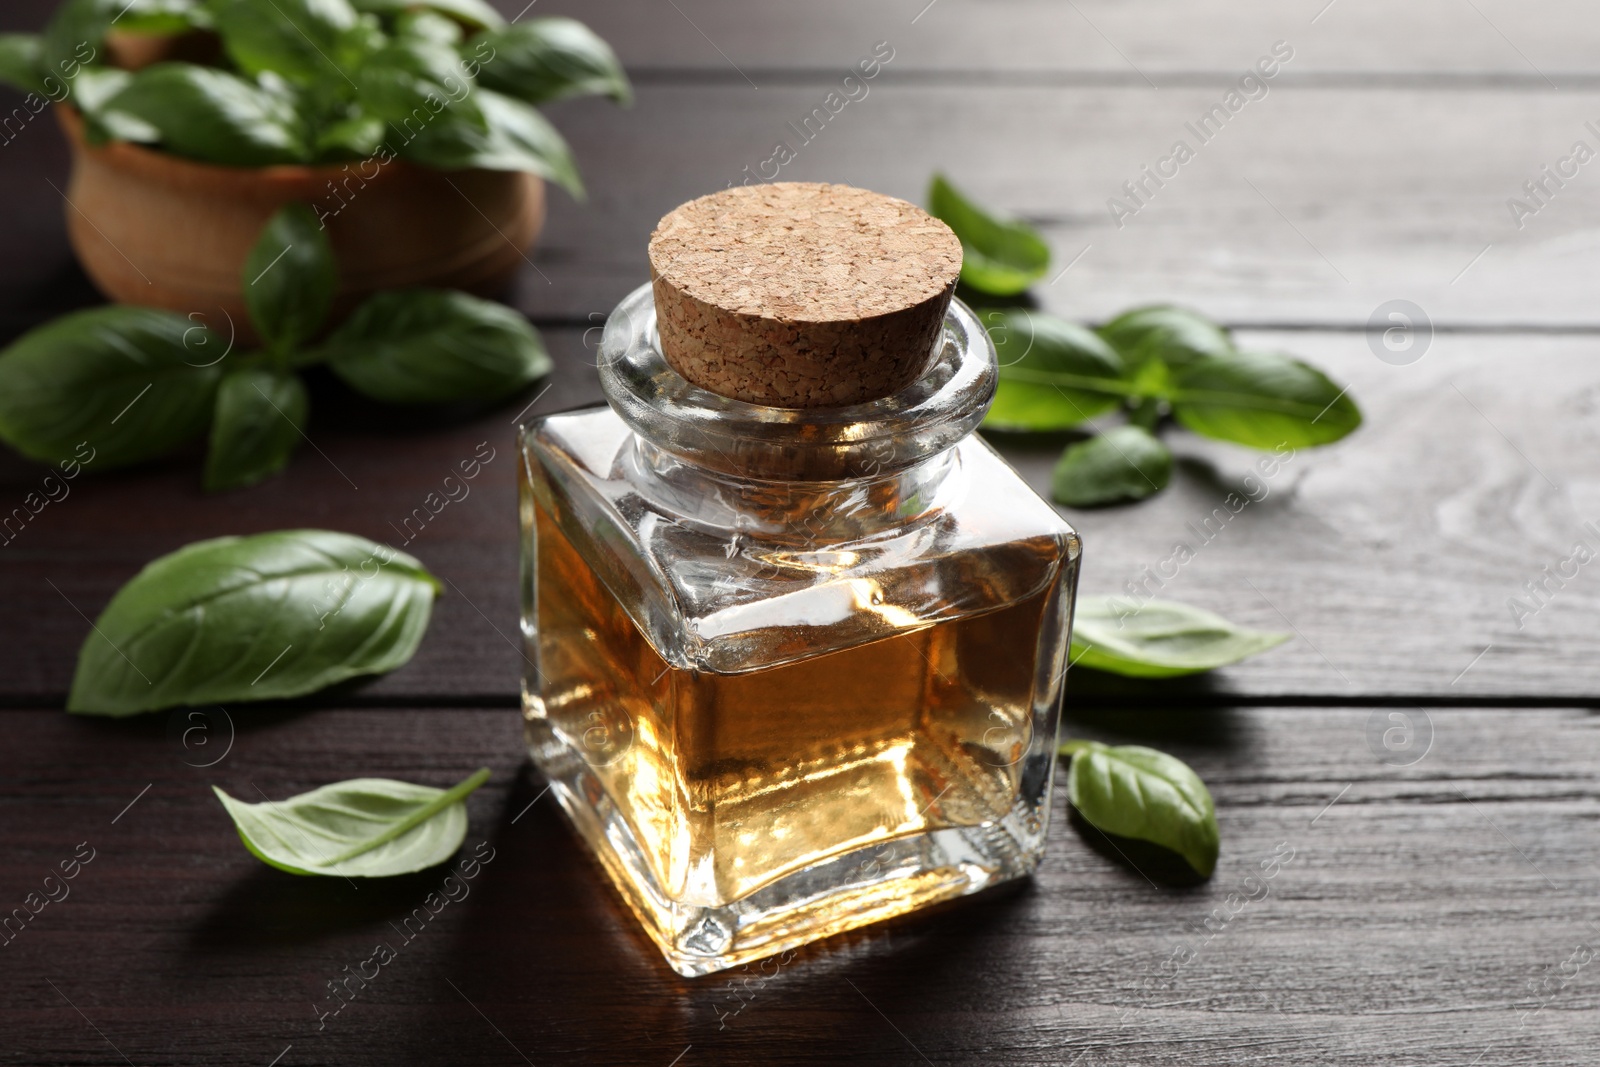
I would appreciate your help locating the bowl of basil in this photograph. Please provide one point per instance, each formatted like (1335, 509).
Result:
(409, 127)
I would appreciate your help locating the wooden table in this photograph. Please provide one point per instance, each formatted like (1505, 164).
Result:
(1440, 903)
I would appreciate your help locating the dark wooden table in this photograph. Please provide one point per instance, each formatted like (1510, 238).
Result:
(1440, 903)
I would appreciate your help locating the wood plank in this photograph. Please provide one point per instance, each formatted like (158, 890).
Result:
(1425, 917)
(1161, 39)
(1393, 555)
(1157, 39)
(1304, 209)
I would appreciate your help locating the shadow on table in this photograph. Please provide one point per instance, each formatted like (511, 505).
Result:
(545, 949)
(1147, 721)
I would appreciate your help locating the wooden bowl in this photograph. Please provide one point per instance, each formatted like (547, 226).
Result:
(162, 231)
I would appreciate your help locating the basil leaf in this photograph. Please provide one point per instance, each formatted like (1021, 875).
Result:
(95, 86)
(1123, 464)
(1152, 340)
(1263, 400)
(428, 346)
(356, 137)
(19, 62)
(1053, 374)
(301, 40)
(999, 256)
(92, 89)
(162, 17)
(495, 132)
(253, 618)
(474, 13)
(213, 116)
(129, 382)
(75, 35)
(1159, 639)
(410, 82)
(424, 25)
(260, 417)
(290, 278)
(363, 828)
(548, 59)
(1137, 792)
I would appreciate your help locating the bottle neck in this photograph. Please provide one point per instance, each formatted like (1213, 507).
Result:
(791, 511)
(871, 443)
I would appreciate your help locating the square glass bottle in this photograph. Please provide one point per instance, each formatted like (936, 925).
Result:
(790, 671)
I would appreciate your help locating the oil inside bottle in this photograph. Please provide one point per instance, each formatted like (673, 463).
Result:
(731, 781)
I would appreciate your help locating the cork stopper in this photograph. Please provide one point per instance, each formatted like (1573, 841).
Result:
(801, 294)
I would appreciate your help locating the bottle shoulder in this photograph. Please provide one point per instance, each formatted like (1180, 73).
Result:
(717, 581)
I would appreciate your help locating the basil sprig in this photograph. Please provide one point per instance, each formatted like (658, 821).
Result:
(1159, 638)
(329, 80)
(265, 617)
(362, 828)
(136, 383)
(1138, 792)
(1153, 363)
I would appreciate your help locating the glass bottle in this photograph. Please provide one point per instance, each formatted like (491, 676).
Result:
(790, 671)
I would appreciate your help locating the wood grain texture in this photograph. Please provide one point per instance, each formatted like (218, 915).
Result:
(1405, 929)
(1434, 911)
(1164, 40)
(1393, 555)
(1305, 208)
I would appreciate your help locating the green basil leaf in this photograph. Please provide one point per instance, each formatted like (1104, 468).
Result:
(512, 136)
(20, 61)
(92, 89)
(411, 81)
(356, 137)
(260, 417)
(304, 41)
(75, 35)
(95, 86)
(213, 116)
(290, 278)
(1263, 400)
(363, 828)
(1137, 792)
(1001, 257)
(118, 126)
(1053, 374)
(429, 346)
(548, 59)
(424, 25)
(163, 17)
(1127, 463)
(265, 617)
(1159, 639)
(128, 383)
(1154, 340)
(474, 13)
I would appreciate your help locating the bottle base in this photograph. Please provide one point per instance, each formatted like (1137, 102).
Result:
(857, 888)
